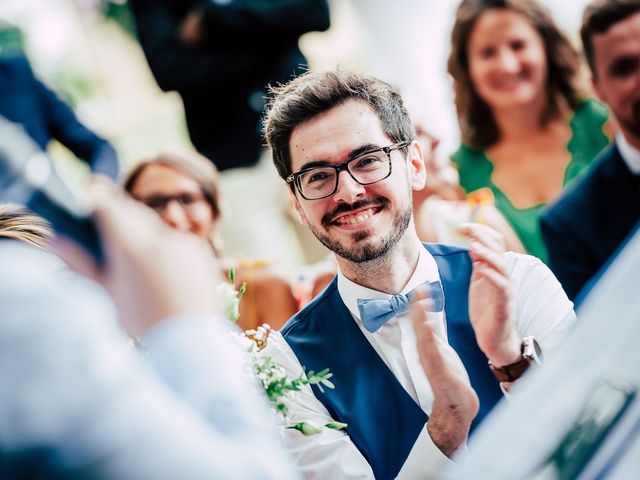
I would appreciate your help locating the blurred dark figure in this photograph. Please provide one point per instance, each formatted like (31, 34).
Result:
(585, 228)
(27, 101)
(219, 56)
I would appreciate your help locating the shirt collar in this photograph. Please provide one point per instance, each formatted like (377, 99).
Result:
(426, 271)
(630, 154)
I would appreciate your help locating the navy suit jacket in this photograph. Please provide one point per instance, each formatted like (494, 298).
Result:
(591, 221)
(27, 101)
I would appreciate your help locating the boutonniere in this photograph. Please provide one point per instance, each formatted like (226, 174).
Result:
(278, 387)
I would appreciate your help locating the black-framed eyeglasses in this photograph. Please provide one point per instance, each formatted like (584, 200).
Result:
(370, 167)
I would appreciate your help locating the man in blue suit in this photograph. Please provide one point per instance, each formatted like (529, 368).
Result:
(346, 146)
(27, 101)
(591, 221)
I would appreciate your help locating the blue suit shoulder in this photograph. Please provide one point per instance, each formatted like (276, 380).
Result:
(15, 62)
(582, 193)
(304, 317)
(443, 250)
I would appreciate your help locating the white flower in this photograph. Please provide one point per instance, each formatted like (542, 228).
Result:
(307, 427)
(229, 300)
(279, 389)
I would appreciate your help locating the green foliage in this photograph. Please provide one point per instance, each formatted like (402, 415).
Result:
(279, 387)
(120, 13)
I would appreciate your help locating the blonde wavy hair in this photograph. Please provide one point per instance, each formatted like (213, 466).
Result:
(18, 223)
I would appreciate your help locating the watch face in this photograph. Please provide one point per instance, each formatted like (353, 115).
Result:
(531, 349)
(531, 353)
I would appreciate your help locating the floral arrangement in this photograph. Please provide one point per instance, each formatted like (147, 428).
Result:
(278, 387)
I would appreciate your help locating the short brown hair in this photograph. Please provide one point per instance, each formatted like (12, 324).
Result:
(316, 92)
(192, 164)
(477, 124)
(18, 223)
(598, 17)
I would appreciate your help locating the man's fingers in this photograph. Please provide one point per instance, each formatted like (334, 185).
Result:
(484, 234)
(480, 230)
(482, 270)
(455, 404)
(140, 226)
(420, 304)
(481, 253)
(439, 361)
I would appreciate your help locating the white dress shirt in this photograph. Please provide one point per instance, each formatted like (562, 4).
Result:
(629, 153)
(541, 309)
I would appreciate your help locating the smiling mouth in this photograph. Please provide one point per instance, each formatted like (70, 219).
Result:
(357, 213)
(513, 81)
(355, 218)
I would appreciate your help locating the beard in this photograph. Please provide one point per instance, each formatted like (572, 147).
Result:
(360, 251)
(632, 125)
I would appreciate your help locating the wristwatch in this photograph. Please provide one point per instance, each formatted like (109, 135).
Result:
(530, 353)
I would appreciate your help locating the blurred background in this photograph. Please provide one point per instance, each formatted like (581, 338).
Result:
(86, 50)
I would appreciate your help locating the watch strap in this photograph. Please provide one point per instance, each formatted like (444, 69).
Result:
(511, 372)
(530, 353)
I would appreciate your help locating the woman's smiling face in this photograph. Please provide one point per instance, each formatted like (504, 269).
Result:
(507, 60)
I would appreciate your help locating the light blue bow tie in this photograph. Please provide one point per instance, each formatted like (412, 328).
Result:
(375, 313)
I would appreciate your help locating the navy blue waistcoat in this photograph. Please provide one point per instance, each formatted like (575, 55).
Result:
(384, 421)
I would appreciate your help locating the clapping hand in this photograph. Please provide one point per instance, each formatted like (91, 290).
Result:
(490, 296)
(455, 403)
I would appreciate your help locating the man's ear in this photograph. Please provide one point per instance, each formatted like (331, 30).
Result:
(298, 207)
(417, 169)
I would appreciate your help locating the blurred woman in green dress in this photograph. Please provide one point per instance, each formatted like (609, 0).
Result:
(527, 128)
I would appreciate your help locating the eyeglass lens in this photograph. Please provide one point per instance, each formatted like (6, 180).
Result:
(185, 200)
(322, 181)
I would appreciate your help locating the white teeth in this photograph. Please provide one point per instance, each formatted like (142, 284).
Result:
(355, 219)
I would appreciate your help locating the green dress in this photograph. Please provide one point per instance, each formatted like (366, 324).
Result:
(587, 140)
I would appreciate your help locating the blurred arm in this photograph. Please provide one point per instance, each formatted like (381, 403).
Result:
(70, 389)
(64, 126)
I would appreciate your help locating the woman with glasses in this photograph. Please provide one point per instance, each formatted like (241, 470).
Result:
(527, 128)
(183, 190)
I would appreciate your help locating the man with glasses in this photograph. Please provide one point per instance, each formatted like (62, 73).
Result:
(346, 146)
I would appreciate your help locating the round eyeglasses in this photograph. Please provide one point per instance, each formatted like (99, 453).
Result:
(370, 167)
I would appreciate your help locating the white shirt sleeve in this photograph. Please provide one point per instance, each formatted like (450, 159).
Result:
(425, 461)
(542, 309)
(200, 359)
(332, 454)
